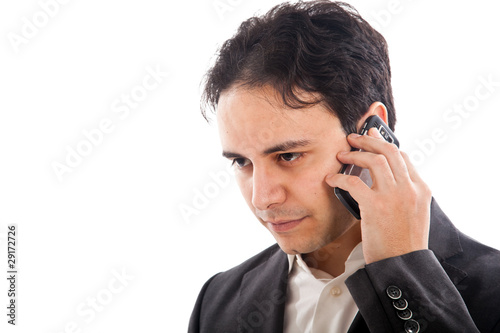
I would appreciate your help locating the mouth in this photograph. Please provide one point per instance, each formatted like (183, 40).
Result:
(284, 225)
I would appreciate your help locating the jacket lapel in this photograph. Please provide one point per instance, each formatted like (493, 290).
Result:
(358, 325)
(263, 296)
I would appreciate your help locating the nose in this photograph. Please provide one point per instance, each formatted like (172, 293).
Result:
(267, 188)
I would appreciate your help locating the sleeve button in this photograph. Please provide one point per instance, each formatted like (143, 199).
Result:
(412, 326)
(393, 292)
(405, 314)
(400, 304)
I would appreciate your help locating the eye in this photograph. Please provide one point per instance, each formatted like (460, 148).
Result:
(290, 157)
(240, 162)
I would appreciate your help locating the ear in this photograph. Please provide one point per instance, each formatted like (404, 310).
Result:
(377, 108)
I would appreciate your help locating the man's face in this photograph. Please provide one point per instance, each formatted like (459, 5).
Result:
(281, 157)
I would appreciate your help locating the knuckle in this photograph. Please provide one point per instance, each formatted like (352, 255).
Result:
(380, 160)
(354, 181)
(426, 190)
(417, 195)
(409, 194)
(406, 158)
(392, 149)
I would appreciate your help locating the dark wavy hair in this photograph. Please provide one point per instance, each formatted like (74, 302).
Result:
(320, 47)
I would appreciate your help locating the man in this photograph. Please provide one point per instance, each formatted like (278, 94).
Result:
(288, 88)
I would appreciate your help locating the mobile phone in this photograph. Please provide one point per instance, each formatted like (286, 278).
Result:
(364, 174)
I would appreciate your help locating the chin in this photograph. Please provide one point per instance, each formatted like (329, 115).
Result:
(299, 245)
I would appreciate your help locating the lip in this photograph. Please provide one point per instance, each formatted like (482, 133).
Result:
(285, 225)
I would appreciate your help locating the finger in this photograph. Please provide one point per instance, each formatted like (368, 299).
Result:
(389, 150)
(374, 132)
(352, 184)
(377, 164)
(367, 142)
(412, 171)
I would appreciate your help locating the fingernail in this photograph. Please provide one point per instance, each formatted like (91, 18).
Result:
(354, 135)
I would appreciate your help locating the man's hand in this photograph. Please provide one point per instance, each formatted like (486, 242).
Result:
(395, 211)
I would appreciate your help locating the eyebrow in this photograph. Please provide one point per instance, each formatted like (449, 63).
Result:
(284, 146)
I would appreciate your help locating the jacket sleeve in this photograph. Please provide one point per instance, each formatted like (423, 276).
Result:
(409, 293)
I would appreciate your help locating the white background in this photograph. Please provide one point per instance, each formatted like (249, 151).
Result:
(118, 210)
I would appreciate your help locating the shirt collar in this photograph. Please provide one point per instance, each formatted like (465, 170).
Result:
(291, 260)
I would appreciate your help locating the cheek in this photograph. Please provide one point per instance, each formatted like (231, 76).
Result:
(311, 184)
(322, 167)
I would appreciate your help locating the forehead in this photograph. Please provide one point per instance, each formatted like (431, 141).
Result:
(259, 115)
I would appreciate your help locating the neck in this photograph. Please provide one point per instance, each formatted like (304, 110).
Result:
(332, 257)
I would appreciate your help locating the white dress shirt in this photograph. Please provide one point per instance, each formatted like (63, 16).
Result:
(316, 301)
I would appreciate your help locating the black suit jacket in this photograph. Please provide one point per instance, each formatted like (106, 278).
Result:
(453, 287)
